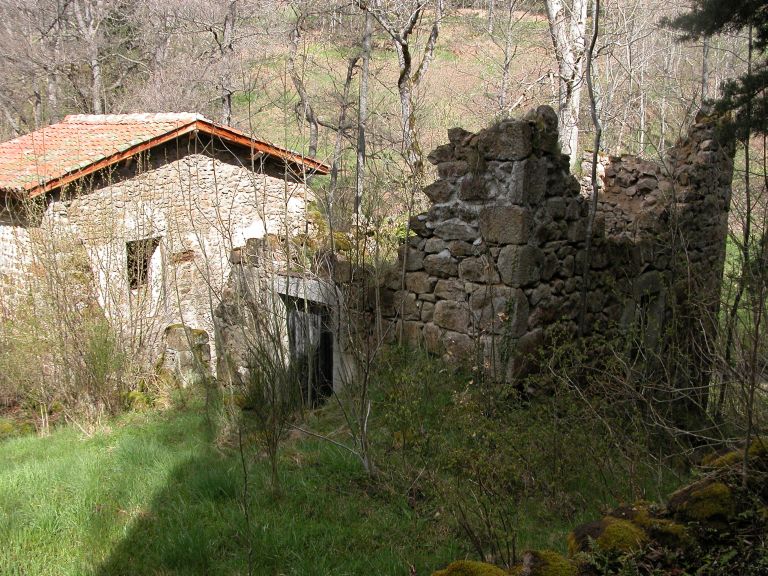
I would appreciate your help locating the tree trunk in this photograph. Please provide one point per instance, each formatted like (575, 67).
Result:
(362, 118)
(304, 106)
(567, 26)
(226, 47)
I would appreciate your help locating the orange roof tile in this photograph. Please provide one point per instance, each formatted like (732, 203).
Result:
(81, 144)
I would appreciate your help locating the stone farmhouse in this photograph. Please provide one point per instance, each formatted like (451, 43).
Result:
(154, 208)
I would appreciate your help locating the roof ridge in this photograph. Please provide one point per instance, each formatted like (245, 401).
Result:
(135, 118)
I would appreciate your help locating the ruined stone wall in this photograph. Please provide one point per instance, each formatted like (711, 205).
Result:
(499, 259)
(198, 205)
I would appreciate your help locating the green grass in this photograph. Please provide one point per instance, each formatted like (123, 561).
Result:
(152, 496)
(151, 493)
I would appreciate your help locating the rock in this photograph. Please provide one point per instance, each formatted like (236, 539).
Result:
(608, 535)
(412, 332)
(531, 181)
(505, 225)
(458, 347)
(450, 290)
(507, 140)
(500, 310)
(460, 249)
(432, 338)
(420, 282)
(455, 229)
(415, 258)
(546, 563)
(439, 191)
(452, 169)
(478, 270)
(457, 136)
(452, 315)
(442, 264)
(405, 305)
(646, 185)
(475, 187)
(427, 311)
(556, 207)
(342, 271)
(519, 265)
(707, 502)
(435, 245)
(418, 224)
(441, 154)
(185, 338)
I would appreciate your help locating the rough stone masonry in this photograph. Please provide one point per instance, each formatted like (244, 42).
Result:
(499, 260)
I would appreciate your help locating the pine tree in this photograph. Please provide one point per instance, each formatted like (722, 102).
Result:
(746, 95)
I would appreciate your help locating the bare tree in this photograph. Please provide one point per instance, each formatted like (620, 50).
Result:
(567, 26)
(400, 23)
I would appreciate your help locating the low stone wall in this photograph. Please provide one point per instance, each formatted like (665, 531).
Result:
(499, 259)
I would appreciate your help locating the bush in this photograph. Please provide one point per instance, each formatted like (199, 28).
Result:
(496, 463)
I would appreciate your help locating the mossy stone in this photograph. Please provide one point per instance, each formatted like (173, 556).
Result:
(670, 533)
(758, 449)
(7, 428)
(621, 536)
(706, 502)
(728, 459)
(547, 563)
(608, 534)
(666, 532)
(137, 400)
(470, 568)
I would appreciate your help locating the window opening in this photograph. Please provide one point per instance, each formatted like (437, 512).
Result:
(139, 256)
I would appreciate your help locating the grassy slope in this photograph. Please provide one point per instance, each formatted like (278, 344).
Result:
(460, 88)
(150, 496)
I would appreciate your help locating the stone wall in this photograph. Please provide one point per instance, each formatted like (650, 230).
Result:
(194, 202)
(500, 257)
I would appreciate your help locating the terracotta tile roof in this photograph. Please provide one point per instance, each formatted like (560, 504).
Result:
(81, 144)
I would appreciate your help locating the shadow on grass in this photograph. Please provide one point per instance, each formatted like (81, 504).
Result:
(330, 520)
(192, 526)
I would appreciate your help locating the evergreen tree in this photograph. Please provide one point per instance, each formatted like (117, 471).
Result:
(746, 95)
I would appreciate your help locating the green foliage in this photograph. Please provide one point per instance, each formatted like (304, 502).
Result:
(501, 466)
(11, 427)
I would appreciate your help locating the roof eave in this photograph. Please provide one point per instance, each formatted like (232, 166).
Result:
(201, 125)
(234, 135)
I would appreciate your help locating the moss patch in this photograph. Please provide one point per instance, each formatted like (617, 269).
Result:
(621, 536)
(728, 459)
(669, 533)
(470, 568)
(705, 502)
(547, 563)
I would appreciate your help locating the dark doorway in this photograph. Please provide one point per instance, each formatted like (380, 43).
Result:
(310, 338)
